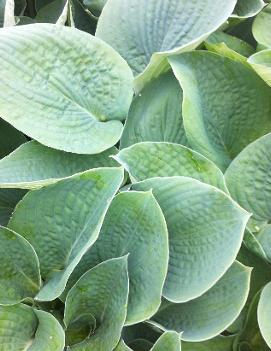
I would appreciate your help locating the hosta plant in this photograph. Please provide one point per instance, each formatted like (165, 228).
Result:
(135, 175)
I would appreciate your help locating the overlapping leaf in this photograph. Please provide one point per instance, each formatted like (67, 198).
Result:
(77, 102)
(261, 63)
(261, 27)
(246, 178)
(219, 306)
(142, 33)
(8, 200)
(23, 328)
(264, 314)
(34, 165)
(225, 107)
(203, 239)
(102, 292)
(63, 220)
(148, 160)
(156, 113)
(134, 225)
(20, 276)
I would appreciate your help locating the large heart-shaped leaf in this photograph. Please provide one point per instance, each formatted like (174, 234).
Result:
(205, 233)
(34, 165)
(102, 292)
(226, 105)
(264, 314)
(144, 32)
(262, 26)
(261, 63)
(8, 200)
(63, 220)
(248, 8)
(148, 160)
(170, 341)
(77, 101)
(211, 313)
(246, 178)
(219, 343)
(134, 225)
(23, 328)
(20, 276)
(10, 138)
(156, 113)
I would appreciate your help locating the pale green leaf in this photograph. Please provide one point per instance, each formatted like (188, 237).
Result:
(25, 329)
(33, 165)
(77, 101)
(10, 138)
(248, 8)
(170, 341)
(134, 225)
(20, 276)
(156, 113)
(264, 314)
(102, 292)
(261, 63)
(262, 26)
(63, 220)
(145, 32)
(210, 314)
(8, 200)
(205, 233)
(232, 42)
(246, 178)
(148, 160)
(226, 105)
(219, 343)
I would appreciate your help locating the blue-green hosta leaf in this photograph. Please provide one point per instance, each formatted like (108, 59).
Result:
(253, 244)
(134, 224)
(233, 43)
(170, 341)
(20, 276)
(219, 343)
(156, 113)
(63, 220)
(94, 6)
(23, 328)
(34, 165)
(148, 160)
(8, 200)
(54, 12)
(102, 292)
(261, 63)
(264, 314)
(226, 105)
(262, 26)
(77, 101)
(248, 8)
(246, 178)
(10, 138)
(151, 30)
(264, 238)
(211, 313)
(205, 233)
(122, 347)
